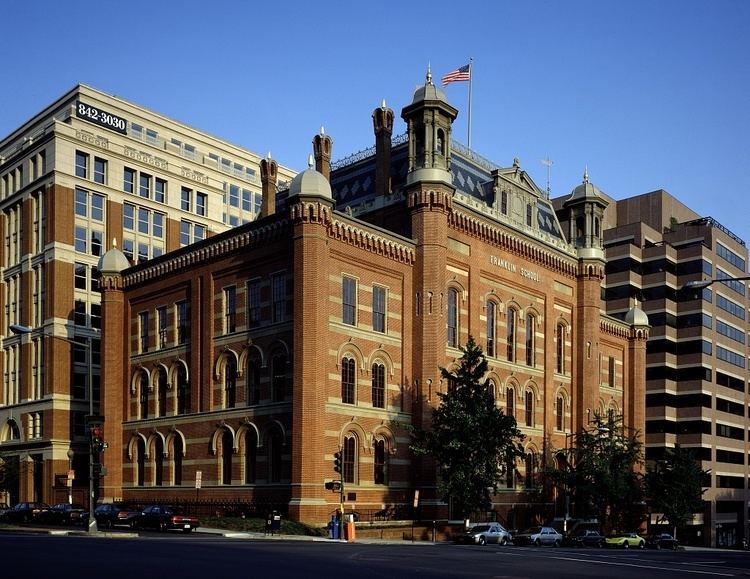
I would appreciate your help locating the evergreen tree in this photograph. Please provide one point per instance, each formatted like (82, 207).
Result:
(675, 486)
(471, 439)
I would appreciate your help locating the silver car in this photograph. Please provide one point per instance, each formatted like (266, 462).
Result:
(485, 533)
(539, 536)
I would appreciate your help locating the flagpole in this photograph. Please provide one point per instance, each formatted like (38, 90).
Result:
(471, 78)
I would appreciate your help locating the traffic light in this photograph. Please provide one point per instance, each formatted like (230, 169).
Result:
(337, 461)
(329, 485)
(97, 440)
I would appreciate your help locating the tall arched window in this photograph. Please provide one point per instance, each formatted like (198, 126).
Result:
(529, 408)
(162, 378)
(140, 452)
(379, 474)
(273, 457)
(251, 456)
(511, 334)
(491, 310)
(183, 391)
(560, 413)
(378, 385)
(143, 396)
(158, 462)
(453, 317)
(560, 338)
(230, 383)
(177, 452)
(350, 458)
(253, 382)
(530, 342)
(226, 457)
(491, 388)
(510, 402)
(347, 380)
(530, 474)
(278, 377)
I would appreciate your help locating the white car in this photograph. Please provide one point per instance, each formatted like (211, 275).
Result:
(538, 536)
(484, 533)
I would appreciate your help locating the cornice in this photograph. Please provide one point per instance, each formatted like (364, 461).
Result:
(495, 235)
(360, 237)
(209, 250)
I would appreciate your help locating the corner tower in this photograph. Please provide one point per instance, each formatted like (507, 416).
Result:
(586, 206)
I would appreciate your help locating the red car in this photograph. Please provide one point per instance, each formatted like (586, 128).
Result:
(166, 518)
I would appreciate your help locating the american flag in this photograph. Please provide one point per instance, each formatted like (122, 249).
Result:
(458, 75)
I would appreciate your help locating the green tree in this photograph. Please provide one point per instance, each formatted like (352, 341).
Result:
(675, 486)
(9, 475)
(600, 474)
(471, 440)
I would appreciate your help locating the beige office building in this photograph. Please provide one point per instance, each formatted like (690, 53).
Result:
(89, 169)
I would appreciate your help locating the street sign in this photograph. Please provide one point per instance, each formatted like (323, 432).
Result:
(198, 478)
(71, 474)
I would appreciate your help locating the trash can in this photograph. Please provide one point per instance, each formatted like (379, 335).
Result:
(273, 522)
(350, 531)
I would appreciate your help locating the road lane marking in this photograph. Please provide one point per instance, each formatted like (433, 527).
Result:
(654, 567)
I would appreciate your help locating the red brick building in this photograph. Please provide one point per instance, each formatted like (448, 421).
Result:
(253, 356)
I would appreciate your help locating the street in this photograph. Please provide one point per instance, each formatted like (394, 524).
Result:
(200, 556)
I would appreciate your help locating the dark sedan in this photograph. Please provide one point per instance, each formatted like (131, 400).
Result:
(166, 518)
(109, 515)
(65, 514)
(662, 541)
(27, 512)
(587, 538)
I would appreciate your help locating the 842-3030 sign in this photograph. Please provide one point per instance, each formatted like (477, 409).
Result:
(101, 118)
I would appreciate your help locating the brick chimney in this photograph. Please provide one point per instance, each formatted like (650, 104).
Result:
(268, 175)
(382, 122)
(322, 145)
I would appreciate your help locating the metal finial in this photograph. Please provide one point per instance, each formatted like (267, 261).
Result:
(268, 155)
(586, 174)
(114, 242)
(310, 162)
(322, 130)
(382, 104)
(429, 74)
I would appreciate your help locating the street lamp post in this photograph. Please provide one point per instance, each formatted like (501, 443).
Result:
(698, 284)
(19, 329)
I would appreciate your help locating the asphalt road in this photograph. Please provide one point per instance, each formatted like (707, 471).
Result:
(206, 557)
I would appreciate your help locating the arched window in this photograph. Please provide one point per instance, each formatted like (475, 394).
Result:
(347, 380)
(440, 143)
(278, 377)
(140, 458)
(511, 334)
(14, 433)
(158, 462)
(560, 338)
(491, 311)
(530, 474)
(177, 452)
(253, 382)
(162, 380)
(230, 383)
(350, 458)
(226, 457)
(183, 391)
(378, 385)
(251, 456)
(379, 474)
(510, 402)
(530, 342)
(453, 317)
(273, 457)
(491, 388)
(560, 413)
(143, 396)
(529, 408)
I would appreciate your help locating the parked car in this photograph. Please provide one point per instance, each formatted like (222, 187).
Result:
(586, 538)
(662, 541)
(165, 518)
(485, 533)
(109, 515)
(4, 508)
(27, 512)
(626, 541)
(538, 536)
(65, 514)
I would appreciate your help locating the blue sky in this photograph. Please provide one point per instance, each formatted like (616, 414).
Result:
(648, 94)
